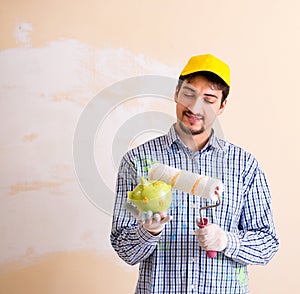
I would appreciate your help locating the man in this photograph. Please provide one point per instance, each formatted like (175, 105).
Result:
(171, 250)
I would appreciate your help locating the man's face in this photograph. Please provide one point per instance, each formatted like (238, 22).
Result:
(198, 104)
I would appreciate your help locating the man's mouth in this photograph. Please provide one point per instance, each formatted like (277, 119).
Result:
(192, 118)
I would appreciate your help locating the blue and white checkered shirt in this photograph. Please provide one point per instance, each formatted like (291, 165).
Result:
(173, 262)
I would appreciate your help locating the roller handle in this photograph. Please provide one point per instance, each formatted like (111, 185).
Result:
(201, 224)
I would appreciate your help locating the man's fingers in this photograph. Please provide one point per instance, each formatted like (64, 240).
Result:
(157, 217)
(149, 215)
(163, 214)
(201, 232)
(212, 237)
(166, 219)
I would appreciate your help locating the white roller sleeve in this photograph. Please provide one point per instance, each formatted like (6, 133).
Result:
(186, 181)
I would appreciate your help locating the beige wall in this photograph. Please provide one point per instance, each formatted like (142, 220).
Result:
(57, 55)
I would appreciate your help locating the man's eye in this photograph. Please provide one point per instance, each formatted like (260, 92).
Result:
(210, 101)
(188, 95)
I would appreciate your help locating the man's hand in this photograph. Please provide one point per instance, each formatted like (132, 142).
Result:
(153, 223)
(212, 237)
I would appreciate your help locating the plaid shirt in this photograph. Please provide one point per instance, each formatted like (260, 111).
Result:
(173, 262)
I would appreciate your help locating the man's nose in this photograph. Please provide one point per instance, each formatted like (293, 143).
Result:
(196, 106)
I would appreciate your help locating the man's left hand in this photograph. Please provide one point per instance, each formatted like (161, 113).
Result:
(212, 237)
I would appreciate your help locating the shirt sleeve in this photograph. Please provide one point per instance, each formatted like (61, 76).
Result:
(256, 241)
(128, 238)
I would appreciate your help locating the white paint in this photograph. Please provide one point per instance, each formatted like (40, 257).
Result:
(22, 34)
(43, 91)
(107, 166)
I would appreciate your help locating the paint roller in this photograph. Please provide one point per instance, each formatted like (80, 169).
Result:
(193, 183)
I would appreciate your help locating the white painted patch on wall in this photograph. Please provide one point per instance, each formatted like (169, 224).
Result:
(43, 91)
(22, 34)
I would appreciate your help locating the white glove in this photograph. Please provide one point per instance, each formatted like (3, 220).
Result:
(212, 237)
(153, 223)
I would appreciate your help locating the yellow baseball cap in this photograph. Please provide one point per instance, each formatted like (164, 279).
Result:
(208, 62)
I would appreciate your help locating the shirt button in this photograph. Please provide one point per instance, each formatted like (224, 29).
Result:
(193, 259)
(192, 287)
(193, 206)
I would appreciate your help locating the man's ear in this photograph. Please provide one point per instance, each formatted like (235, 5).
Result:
(222, 107)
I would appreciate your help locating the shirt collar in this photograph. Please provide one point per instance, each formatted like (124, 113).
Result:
(214, 142)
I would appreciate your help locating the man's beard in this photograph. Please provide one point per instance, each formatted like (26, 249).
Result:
(189, 131)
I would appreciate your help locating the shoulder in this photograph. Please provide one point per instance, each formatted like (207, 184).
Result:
(238, 154)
